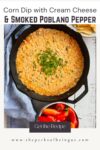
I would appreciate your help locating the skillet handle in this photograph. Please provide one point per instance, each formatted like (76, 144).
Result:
(15, 32)
(85, 91)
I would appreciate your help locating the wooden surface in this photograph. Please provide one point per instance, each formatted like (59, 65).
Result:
(86, 107)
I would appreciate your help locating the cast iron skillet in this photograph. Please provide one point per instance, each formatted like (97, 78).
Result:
(64, 97)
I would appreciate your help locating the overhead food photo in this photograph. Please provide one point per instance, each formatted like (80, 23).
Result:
(48, 74)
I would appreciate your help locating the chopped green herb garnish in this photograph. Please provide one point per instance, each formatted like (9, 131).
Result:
(49, 61)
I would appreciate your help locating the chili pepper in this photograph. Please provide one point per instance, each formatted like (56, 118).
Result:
(51, 118)
(50, 111)
(61, 117)
(60, 107)
(41, 119)
(72, 117)
(72, 125)
(46, 119)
